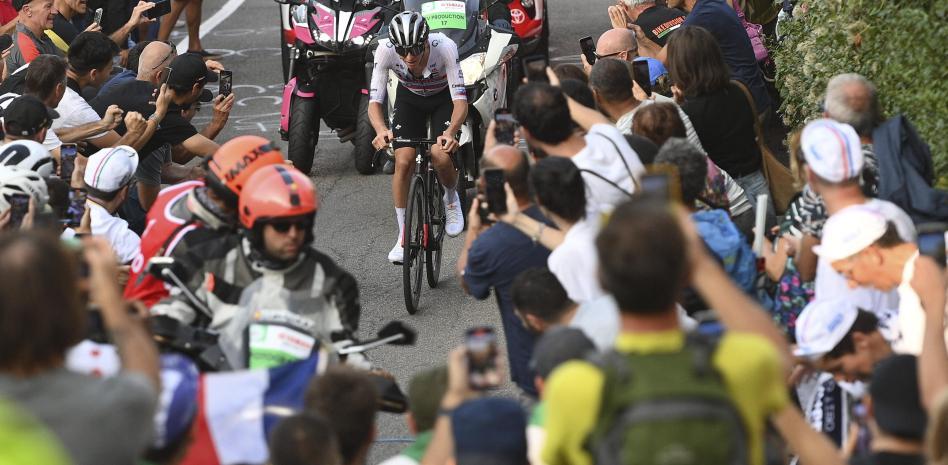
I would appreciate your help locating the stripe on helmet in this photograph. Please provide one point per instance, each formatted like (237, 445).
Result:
(291, 184)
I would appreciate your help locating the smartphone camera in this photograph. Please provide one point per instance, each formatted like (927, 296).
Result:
(642, 76)
(504, 126)
(481, 345)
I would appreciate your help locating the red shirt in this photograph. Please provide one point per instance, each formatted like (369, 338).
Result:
(163, 233)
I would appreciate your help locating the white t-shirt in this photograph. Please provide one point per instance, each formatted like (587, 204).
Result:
(600, 156)
(125, 243)
(599, 320)
(75, 111)
(576, 263)
(911, 314)
(885, 304)
(51, 142)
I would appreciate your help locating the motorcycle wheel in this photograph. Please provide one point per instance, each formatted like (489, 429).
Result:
(364, 153)
(304, 133)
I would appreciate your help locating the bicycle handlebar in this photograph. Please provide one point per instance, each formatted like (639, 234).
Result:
(415, 142)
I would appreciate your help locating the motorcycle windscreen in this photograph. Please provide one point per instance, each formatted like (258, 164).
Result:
(457, 19)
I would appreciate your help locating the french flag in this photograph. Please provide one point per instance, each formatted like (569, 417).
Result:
(237, 410)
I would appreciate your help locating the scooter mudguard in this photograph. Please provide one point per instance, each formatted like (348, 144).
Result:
(289, 90)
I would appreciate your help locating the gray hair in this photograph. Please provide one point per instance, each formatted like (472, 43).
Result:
(860, 111)
(691, 164)
(635, 3)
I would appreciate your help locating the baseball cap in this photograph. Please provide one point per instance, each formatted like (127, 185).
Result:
(557, 346)
(896, 404)
(188, 69)
(849, 231)
(108, 170)
(821, 325)
(490, 430)
(832, 150)
(27, 115)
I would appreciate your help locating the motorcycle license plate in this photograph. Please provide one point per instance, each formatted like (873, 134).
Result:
(273, 345)
(445, 14)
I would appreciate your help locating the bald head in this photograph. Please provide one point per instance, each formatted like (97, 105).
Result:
(155, 57)
(515, 166)
(615, 41)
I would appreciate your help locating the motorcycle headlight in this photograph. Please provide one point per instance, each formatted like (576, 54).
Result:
(359, 41)
(473, 67)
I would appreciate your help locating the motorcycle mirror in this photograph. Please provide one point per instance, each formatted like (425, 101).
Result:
(396, 328)
(157, 265)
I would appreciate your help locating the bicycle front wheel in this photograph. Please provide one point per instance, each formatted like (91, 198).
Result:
(413, 242)
(436, 236)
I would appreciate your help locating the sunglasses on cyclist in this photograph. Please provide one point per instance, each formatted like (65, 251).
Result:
(414, 50)
(283, 227)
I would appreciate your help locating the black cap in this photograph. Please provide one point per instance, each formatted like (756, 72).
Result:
(27, 115)
(896, 402)
(189, 69)
(557, 346)
(18, 4)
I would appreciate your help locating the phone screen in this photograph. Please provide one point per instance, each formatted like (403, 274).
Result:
(588, 48)
(481, 345)
(931, 242)
(98, 16)
(160, 9)
(77, 208)
(535, 68)
(496, 195)
(19, 205)
(504, 127)
(67, 155)
(226, 84)
(641, 75)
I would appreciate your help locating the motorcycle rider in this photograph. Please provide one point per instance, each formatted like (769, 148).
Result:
(191, 213)
(430, 91)
(272, 253)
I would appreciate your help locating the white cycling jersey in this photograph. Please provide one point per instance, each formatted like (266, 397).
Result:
(442, 71)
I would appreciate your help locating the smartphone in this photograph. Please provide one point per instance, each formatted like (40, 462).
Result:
(504, 126)
(98, 16)
(481, 345)
(931, 242)
(5, 41)
(160, 9)
(67, 160)
(642, 76)
(226, 83)
(589, 49)
(166, 75)
(19, 205)
(76, 208)
(534, 67)
(496, 195)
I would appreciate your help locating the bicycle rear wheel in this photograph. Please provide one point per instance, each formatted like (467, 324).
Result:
(413, 242)
(436, 220)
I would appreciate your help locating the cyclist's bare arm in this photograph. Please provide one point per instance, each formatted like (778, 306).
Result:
(377, 117)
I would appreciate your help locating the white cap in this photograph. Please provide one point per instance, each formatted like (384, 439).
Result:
(832, 150)
(108, 170)
(849, 231)
(821, 325)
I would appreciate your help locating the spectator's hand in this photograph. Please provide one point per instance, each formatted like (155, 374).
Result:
(103, 269)
(618, 18)
(135, 123)
(5, 218)
(222, 107)
(112, 118)
(554, 79)
(28, 217)
(123, 57)
(677, 95)
(586, 66)
(474, 216)
(458, 388)
(447, 142)
(85, 224)
(122, 276)
(196, 172)
(775, 260)
(94, 27)
(214, 65)
(163, 101)
(638, 93)
(138, 16)
(382, 139)
(928, 282)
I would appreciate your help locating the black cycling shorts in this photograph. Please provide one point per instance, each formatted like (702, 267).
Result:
(413, 112)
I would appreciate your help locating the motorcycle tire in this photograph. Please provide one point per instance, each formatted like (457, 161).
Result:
(364, 153)
(303, 133)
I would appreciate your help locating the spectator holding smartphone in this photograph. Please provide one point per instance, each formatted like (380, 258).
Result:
(74, 17)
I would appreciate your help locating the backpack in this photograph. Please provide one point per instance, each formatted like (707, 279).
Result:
(667, 409)
(906, 172)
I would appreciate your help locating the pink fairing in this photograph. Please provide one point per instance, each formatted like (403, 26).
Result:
(325, 20)
(289, 90)
(303, 34)
(364, 22)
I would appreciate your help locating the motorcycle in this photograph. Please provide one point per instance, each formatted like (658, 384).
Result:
(485, 54)
(327, 71)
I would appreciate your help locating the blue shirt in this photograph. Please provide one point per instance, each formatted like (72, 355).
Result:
(722, 22)
(124, 76)
(496, 257)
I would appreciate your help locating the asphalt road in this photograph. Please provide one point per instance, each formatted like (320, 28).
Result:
(356, 224)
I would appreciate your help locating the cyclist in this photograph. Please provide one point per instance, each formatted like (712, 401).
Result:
(430, 91)
(191, 213)
(273, 253)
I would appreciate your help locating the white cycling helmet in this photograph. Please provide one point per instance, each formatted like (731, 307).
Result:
(28, 155)
(14, 180)
(408, 31)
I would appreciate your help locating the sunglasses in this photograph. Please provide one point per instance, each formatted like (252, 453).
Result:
(413, 50)
(599, 57)
(283, 227)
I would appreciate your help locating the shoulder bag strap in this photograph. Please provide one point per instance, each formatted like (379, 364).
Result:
(635, 182)
(584, 170)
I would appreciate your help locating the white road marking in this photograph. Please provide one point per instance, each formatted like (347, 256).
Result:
(208, 25)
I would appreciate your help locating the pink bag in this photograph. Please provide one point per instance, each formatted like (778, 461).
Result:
(754, 33)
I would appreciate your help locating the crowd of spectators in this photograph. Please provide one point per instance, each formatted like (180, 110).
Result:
(650, 313)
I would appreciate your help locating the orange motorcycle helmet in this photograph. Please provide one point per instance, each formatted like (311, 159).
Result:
(277, 192)
(232, 165)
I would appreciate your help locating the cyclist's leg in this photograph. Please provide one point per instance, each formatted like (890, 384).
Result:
(444, 166)
(405, 124)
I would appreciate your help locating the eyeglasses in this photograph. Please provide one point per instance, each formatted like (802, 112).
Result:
(283, 227)
(415, 50)
(163, 60)
(599, 57)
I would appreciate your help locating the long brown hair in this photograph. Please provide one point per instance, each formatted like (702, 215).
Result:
(695, 62)
(40, 314)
